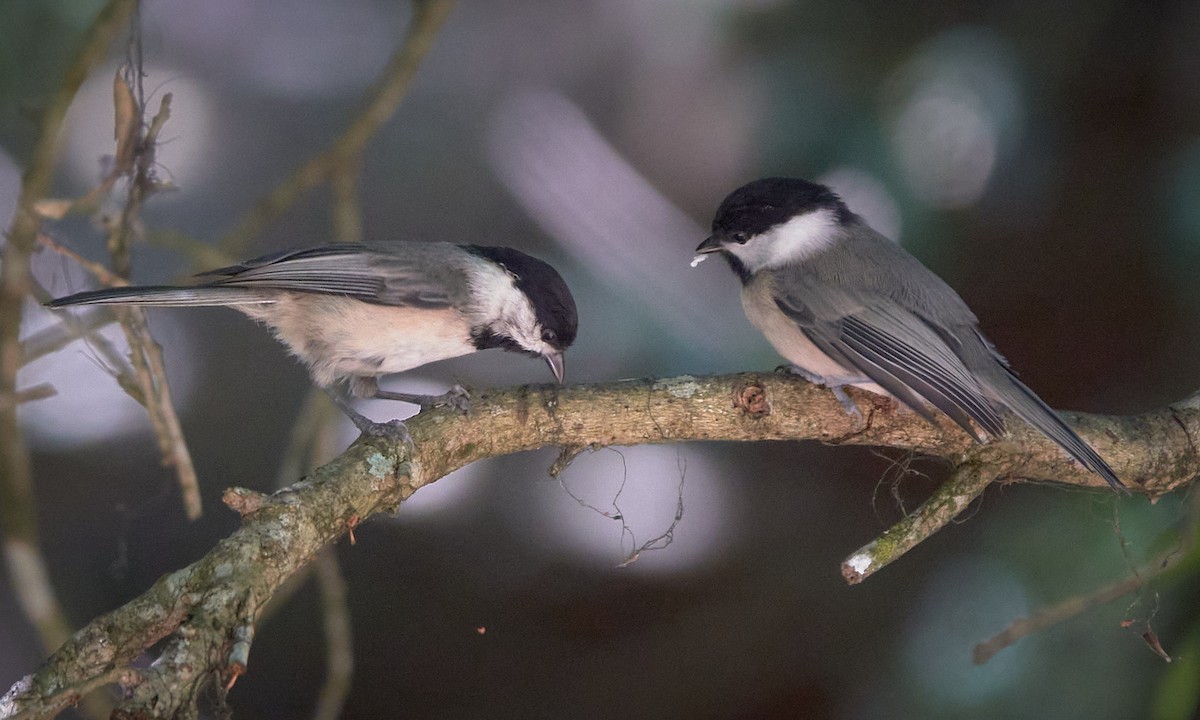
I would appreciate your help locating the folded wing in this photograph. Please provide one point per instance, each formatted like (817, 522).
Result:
(409, 277)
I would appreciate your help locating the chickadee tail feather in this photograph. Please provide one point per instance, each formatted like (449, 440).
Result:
(1022, 401)
(163, 296)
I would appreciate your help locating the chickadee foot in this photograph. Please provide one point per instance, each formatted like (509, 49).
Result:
(835, 385)
(456, 398)
(849, 406)
(390, 430)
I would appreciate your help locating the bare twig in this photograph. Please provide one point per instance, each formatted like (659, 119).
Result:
(41, 391)
(1054, 614)
(1180, 562)
(71, 327)
(98, 271)
(339, 648)
(379, 104)
(17, 509)
(347, 208)
(202, 255)
(144, 351)
(954, 495)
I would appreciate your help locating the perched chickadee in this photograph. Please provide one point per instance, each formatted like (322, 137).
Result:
(354, 313)
(847, 306)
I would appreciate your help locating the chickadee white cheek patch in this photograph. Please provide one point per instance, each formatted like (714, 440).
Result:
(698, 259)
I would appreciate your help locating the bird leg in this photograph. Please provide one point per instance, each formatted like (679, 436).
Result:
(834, 385)
(456, 398)
(393, 429)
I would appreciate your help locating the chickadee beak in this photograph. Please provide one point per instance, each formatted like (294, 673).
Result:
(555, 361)
(711, 245)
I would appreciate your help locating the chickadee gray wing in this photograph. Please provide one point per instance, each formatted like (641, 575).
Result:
(890, 344)
(848, 306)
(371, 274)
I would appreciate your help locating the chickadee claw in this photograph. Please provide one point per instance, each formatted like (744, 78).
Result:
(390, 430)
(850, 407)
(456, 398)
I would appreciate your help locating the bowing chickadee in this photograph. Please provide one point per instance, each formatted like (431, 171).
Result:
(847, 306)
(353, 313)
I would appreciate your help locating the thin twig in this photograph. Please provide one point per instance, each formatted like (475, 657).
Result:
(1182, 561)
(41, 391)
(1052, 615)
(347, 207)
(943, 505)
(71, 327)
(339, 635)
(335, 611)
(17, 507)
(379, 104)
(144, 351)
(202, 255)
(104, 275)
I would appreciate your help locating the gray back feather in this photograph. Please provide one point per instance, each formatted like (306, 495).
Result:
(411, 274)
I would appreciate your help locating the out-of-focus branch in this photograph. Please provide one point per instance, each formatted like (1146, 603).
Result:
(72, 328)
(1179, 563)
(98, 271)
(335, 610)
(135, 155)
(378, 105)
(1054, 614)
(339, 635)
(24, 562)
(41, 391)
(210, 607)
(347, 208)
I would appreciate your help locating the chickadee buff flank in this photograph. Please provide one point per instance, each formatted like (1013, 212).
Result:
(847, 306)
(354, 313)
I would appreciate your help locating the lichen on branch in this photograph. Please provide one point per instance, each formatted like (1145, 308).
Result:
(208, 609)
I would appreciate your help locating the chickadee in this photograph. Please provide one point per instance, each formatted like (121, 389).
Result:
(847, 306)
(353, 313)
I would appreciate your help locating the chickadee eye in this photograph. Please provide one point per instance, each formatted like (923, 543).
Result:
(549, 336)
(740, 237)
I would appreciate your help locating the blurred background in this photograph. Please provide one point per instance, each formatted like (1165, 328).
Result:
(1044, 158)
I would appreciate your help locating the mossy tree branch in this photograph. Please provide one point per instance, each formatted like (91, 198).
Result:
(208, 610)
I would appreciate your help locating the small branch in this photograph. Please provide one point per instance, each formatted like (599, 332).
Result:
(205, 608)
(339, 648)
(17, 508)
(1179, 563)
(347, 206)
(151, 374)
(945, 504)
(104, 275)
(41, 391)
(379, 104)
(71, 327)
(144, 351)
(202, 255)
(1050, 616)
